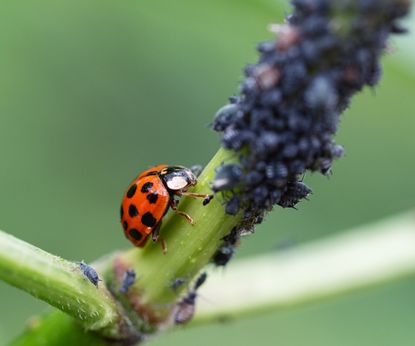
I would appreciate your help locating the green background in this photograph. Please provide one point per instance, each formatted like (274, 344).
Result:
(92, 92)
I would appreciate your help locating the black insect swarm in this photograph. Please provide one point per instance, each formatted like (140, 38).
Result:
(283, 123)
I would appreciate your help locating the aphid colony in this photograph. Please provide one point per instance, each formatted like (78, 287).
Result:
(283, 123)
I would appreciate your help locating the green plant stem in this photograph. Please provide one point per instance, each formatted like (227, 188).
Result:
(59, 283)
(57, 328)
(151, 301)
(190, 248)
(369, 255)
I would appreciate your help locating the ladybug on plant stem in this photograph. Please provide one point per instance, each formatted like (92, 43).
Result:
(149, 197)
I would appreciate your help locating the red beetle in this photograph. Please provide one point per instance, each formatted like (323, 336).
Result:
(149, 197)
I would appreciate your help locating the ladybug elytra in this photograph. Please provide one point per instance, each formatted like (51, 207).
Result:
(149, 197)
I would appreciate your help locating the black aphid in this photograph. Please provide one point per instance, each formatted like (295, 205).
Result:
(200, 281)
(127, 281)
(225, 252)
(196, 169)
(185, 308)
(90, 273)
(178, 282)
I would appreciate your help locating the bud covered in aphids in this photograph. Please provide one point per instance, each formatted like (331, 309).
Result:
(284, 122)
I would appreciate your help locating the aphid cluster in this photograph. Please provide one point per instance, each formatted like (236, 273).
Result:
(288, 112)
(185, 309)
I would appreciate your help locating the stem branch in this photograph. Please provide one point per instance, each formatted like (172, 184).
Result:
(59, 283)
(367, 256)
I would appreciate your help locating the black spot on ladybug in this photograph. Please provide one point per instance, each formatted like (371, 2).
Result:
(151, 173)
(131, 191)
(146, 187)
(152, 197)
(132, 210)
(148, 220)
(125, 225)
(135, 234)
(121, 212)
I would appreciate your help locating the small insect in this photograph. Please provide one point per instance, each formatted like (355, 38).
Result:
(200, 281)
(149, 197)
(227, 177)
(90, 273)
(225, 253)
(177, 283)
(185, 309)
(294, 193)
(127, 281)
(196, 169)
(225, 116)
(233, 205)
(207, 200)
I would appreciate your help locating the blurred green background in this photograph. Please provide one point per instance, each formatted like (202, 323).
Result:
(92, 92)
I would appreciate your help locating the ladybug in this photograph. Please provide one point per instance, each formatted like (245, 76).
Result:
(149, 197)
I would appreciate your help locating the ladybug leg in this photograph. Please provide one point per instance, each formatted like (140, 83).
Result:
(155, 236)
(173, 205)
(206, 198)
(163, 246)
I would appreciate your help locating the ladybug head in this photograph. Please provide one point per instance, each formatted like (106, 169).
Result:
(178, 178)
